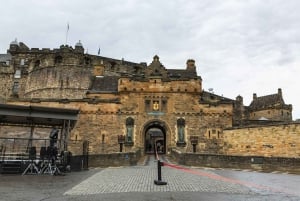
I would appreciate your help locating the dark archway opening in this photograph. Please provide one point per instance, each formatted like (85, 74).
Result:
(155, 138)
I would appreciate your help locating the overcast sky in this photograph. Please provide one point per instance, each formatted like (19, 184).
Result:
(240, 47)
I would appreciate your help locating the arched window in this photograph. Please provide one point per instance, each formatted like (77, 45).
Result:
(129, 129)
(68, 82)
(37, 63)
(180, 130)
(58, 60)
(103, 138)
(87, 60)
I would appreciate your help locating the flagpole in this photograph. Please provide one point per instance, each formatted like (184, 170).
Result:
(67, 33)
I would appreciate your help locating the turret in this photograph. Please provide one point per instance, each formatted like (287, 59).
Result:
(190, 65)
(254, 96)
(14, 45)
(280, 92)
(79, 47)
(239, 99)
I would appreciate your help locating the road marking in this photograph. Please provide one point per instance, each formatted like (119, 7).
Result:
(229, 180)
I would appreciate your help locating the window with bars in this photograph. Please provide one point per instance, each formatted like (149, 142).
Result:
(15, 89)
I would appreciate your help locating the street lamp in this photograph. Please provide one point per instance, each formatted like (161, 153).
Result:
(194, 142)
(121, 141)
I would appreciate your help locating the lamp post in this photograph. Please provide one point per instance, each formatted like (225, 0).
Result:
(121, 141)
(194, 142)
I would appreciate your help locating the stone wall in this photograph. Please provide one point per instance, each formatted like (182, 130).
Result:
(259, 163)
(275, 114)
(58, 82)
(101, 123)
(158, 85)
(269, 141)
(6, 82)
(114, 159)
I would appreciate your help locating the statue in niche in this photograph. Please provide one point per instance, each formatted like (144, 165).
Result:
(181, 127)
(181, 134)
(129, 133)
(129, 129)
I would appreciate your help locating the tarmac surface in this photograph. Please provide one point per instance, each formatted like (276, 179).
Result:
(136, 183)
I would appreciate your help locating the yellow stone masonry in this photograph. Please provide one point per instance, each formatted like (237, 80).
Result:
(269, 141)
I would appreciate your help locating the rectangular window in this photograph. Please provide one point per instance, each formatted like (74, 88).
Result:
(16, 87)
(61, 84)
(164, 105)
(147, 105)
(22, 62)
(18, 74)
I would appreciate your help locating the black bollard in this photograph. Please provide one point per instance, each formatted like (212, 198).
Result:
(194, 148)
(159, 181)
(159, 164)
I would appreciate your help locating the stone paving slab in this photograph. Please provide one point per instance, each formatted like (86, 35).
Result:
(141, 179)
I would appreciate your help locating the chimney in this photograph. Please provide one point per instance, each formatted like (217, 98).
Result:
(279, 92)
(190, 64)
(239, 99)
(14, 46)
(254, 96)
(156, 58)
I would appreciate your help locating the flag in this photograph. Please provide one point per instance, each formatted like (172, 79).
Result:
(67, 32)
(99, 51)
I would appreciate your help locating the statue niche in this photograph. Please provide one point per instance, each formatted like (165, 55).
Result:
(181, 132)
(129, 131)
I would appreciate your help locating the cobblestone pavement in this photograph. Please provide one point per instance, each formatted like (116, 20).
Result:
(141, 179)
(136, 183)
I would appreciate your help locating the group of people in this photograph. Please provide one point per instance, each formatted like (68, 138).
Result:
(151, 147)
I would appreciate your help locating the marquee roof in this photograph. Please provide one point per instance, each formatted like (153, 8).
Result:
(38, 116)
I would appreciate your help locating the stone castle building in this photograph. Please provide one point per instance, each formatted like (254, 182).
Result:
(146, 104)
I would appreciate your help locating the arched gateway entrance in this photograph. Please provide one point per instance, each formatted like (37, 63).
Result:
(155, 136)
